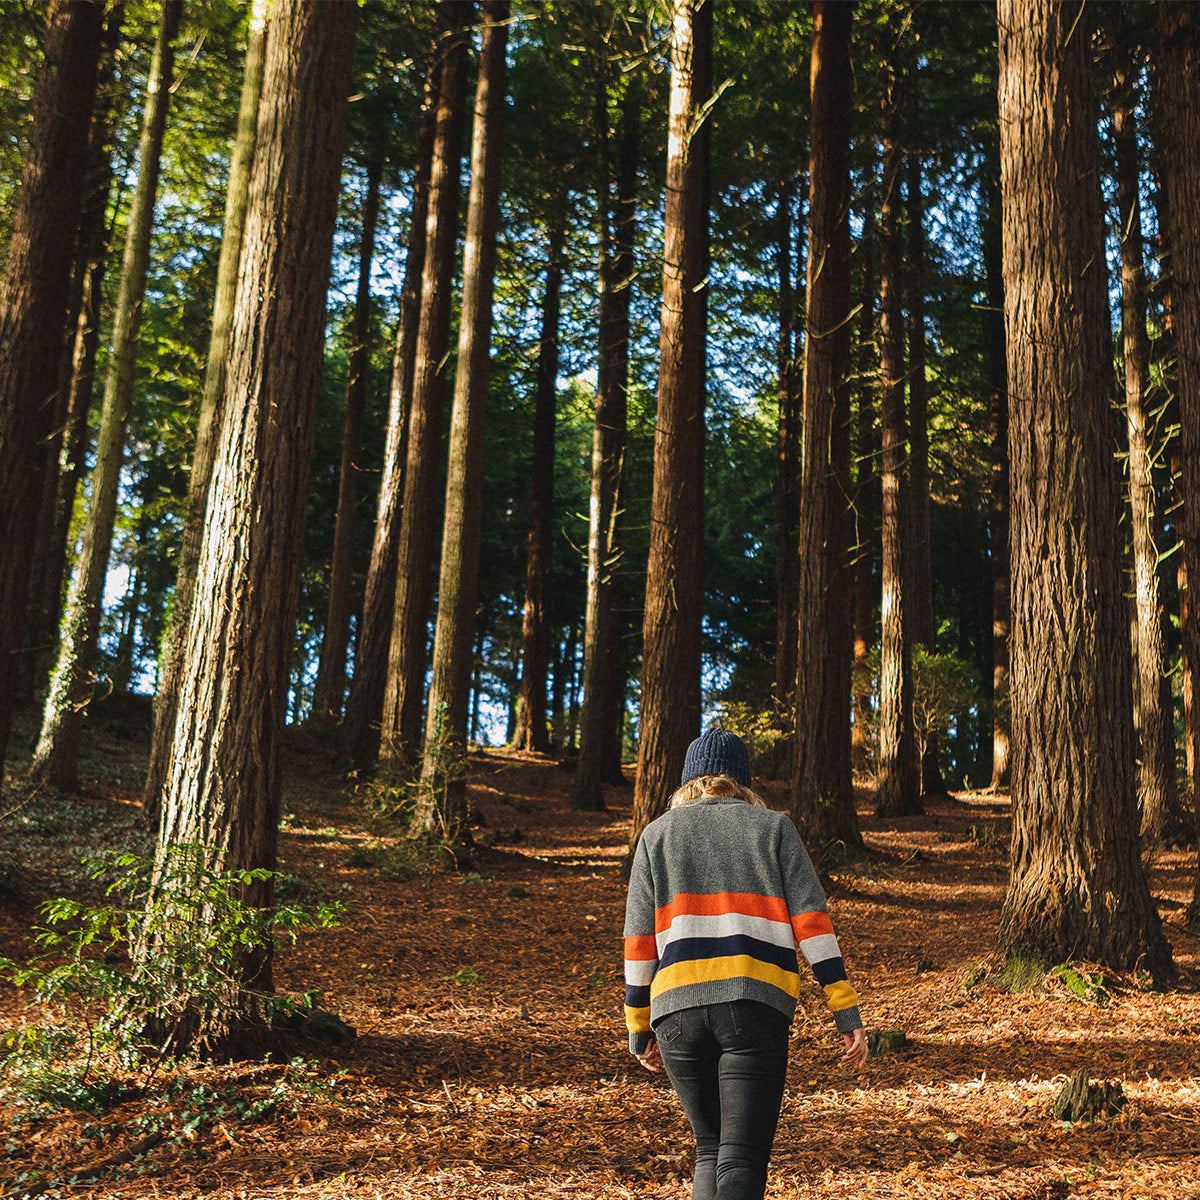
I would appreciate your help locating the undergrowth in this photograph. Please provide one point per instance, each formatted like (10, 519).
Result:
(155, 973)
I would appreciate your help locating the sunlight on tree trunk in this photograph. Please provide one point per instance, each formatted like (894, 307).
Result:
(211, 404)
(670, 708)
(33, 304)
(1077, 887)
(56, 759)
(222, 787)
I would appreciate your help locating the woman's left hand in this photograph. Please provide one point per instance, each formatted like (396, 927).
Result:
(651, 1059)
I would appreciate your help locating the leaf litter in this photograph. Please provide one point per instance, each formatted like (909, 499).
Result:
(490, 1059)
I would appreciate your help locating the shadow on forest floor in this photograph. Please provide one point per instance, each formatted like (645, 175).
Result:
(491, 1060)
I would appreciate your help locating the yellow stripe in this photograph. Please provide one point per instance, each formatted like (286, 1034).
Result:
(732, 966)
(637, 1020)
(840, 995)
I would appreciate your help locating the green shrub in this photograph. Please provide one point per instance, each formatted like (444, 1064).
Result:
(156, 971)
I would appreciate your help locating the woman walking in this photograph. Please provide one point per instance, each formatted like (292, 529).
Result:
(721, 894)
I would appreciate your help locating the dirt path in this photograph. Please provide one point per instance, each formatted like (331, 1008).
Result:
(491, 1062)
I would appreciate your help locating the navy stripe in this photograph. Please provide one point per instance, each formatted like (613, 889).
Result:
(637, 997)
(829, 970)
(689, 949)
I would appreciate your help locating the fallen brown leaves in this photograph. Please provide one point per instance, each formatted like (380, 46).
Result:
(491, 1058)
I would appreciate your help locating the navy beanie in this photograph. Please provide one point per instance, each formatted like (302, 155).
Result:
(717, 753)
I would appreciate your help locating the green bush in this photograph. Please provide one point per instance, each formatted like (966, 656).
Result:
(155, 972)
(944, 686)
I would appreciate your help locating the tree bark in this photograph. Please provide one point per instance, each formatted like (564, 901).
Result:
(407, 653)
(56, 759)
(64, 453)
(360, 728)
(787, 486)
(33, 304)
(865, 491)
(1179, 84)
(920, 580)
(670, 704)
(1077, 887)
(330, 686)
(532, 732)
(212, 403)
(442, 801)
(898, 777)
(602, 665)
(223, 781)
(1162, 816)
(997, 371)
(823, 795)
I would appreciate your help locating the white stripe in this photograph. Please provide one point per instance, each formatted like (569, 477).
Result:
(639, 971)
(818, 949)
(686, 925)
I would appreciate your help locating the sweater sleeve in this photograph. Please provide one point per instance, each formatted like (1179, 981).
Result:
(813, 929)
(641, 950)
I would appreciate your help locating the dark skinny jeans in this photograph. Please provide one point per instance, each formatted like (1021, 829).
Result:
(727, 1063)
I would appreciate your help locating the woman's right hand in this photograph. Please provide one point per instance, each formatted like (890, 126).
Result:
(856, 1048)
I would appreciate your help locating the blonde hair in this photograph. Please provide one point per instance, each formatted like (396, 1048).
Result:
(704, 786)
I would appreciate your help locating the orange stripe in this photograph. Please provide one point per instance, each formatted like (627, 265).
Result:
(811, 924)
(715, 904)
(641, 947)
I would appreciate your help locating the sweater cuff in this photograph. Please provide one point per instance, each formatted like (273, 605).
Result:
(847, 1019)
(638, 1042)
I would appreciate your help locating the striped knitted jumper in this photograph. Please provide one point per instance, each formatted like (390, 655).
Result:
(720, 895)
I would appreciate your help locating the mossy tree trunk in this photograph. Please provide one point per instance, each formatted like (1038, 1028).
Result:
(442, 801)
(56, 759)
(33, 303)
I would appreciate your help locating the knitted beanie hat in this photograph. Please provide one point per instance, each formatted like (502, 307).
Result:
(717, 753)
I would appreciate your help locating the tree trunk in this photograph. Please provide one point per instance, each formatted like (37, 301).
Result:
(670, 704)
(33, 304)
(64, 456)
(1179, 74)
(212, 404)
(899, 776)
(532, 732)
(360, 729)
(865, 491)
(56, 758)
(407, 651)
(823, 795)
(602, 691)
(1076, 886)
(442, 801)
(330, 686)
(1162, 816)
(787, 494)
(920, 580)
(997, 371)
(223, 779)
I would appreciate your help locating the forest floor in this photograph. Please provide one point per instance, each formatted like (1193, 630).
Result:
(490, 1059)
